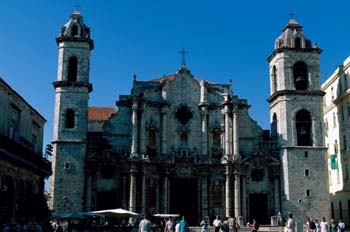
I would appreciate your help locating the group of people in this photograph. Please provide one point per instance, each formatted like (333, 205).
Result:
(229, 224)
(324, 226)
(315, 225)
(171, 225)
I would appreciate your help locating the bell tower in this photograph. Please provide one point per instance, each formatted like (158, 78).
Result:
(296, 123)
(72, 90)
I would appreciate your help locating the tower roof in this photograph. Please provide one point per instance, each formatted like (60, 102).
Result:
(292, 37)
(75, 30)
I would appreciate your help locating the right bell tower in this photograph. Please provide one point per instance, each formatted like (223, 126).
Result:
(296, 123)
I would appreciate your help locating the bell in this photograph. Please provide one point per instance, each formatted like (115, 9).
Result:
(300, 79)
(302, 131)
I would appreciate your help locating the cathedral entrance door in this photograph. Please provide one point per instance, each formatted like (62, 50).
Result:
(258, 208)
(184, 198)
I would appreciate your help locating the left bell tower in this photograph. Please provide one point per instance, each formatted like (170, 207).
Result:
(72, 90)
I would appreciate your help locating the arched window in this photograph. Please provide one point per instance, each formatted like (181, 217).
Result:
(72, 69)
(274, 126)
(303, 126)
(74, 30)
(216, 139)
(274, 79)
(184, 137)
(300, 76)
(152, 141)
(297, 42)
(70, 118)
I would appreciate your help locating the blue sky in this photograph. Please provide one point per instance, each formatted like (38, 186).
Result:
(225, 40)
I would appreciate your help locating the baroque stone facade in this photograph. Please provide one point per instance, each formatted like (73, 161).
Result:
(176, 144)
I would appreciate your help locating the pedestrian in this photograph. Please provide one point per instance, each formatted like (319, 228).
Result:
(333, 226)
(231, 223)
(341, 226)
(183, 225)
(324, 225)
(169, 225)
(308, 225)
(225, 225)
(217, 223)
(236, 226)
(290, 223)
(254, 224)
(204, 225)
(313, 227)
(145, 225)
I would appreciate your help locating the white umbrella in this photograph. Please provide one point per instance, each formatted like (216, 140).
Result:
(119, 213)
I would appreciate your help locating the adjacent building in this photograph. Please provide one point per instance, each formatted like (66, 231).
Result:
(337, 134)
(23, 168)
(181, 144)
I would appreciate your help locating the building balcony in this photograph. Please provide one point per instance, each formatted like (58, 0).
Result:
(23, 155)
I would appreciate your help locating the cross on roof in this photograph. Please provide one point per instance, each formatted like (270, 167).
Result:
(77, 5)
(183, 52)
(291, 15)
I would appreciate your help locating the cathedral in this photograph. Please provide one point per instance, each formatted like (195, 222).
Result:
(181, 144)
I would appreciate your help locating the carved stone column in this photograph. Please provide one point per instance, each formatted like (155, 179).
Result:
(236, 154)
(165, 195)
(164, 131)
(244, 197)
(124, 186)
(237, 182)
(227, 132)
(143, 192)
(204, 131)
(204, 194)
(228, 195)
(134, 130)
(143, 132)
(132, 195)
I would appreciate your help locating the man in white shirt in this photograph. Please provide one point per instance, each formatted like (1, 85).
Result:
(324, 225)
(145, 225)
(217, 223)
(341, 226)
(290, 223)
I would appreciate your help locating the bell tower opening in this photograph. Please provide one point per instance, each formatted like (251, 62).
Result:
(300, 76)
(303, 126)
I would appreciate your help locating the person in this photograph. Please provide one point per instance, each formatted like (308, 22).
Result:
(169, 225)
(183, 225)
(255, 225)
(333, 226)
(312, 225)
(290, 223)
(231, 223)
(177, 226)
(225, 225)
(145, 225)
(204, 225)
(317, 224)
(324, 225)
(236, 226)
(217, 223)
(308, 224)
(341, 226)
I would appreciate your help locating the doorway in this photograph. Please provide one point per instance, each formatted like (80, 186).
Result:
(184, 198)
(258, 207)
